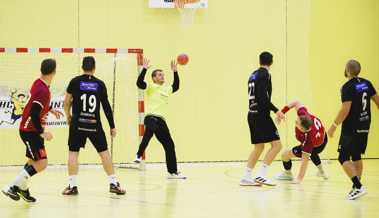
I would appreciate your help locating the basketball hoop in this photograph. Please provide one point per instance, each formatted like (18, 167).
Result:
(187, 10)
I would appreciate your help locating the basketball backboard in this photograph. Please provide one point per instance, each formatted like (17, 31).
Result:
(175, 3)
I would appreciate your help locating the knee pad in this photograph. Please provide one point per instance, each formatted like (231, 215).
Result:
(342, 158)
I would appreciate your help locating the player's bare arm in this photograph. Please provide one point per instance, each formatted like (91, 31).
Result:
(56, 113)
(342, 114)
(67, 106)
(303, 167)
(375, 98)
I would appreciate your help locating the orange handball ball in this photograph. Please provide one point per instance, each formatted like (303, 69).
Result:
(182, 59)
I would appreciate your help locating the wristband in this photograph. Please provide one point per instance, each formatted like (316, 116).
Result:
(285, 109)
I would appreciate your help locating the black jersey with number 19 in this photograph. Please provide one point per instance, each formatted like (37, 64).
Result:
(88, 92)
(359, 91)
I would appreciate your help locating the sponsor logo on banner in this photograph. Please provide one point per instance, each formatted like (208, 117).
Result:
(12, 104)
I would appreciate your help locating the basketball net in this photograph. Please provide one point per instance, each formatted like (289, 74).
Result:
(187, 13)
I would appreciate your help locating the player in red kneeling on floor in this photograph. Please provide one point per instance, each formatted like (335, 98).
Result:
(310, 133)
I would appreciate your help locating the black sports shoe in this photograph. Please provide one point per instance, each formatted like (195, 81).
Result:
(25, 194)
(11, 192)
(116, 189)
(70, 191)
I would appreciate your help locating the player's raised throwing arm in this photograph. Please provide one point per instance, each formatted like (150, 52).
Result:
(141, 78)
(175, 84)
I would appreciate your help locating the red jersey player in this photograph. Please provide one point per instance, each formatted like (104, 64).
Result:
(32, 132)
(311, 134)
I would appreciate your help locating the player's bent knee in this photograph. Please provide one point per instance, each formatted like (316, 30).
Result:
(103, 153)
(40, 165)
(276, 145)
(259, 146)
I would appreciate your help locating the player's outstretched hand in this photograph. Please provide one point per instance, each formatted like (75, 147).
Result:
(113, 132)
(278, 120)
(56, 113)
(174, 66)
(331, 131)
(47, 136)
(279, 117)
(146, 63)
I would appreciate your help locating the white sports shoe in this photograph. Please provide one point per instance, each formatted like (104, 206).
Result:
(264, 181)
(356, 193)
(285, 175)
(248, 181)
(176, 176)
(323, 175)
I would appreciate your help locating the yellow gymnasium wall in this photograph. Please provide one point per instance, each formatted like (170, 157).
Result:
(207, 116)
(341, 30)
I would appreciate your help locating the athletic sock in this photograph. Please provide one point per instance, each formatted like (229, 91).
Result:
(248, 172)
(21, 180)
(356, 182)
(263, 170)
(24, 185)
(72, 181)
(112, 179)
(320, 168)
(287, 165)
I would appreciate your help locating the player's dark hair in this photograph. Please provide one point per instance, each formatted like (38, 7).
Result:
(154, 73)
(306, 122)
(88, 63)
(21, 94)
(353, 67)
(265, 58)
(48, 66)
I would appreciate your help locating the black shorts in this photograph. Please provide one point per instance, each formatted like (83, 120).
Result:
(354, 144)
(262, 129)
(78, 138)
(298, 150)
(35, 146)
